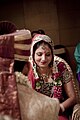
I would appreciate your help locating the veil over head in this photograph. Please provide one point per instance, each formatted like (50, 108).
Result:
(37, 38)
(40, 37)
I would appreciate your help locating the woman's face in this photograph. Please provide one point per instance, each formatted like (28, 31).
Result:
(43, 56)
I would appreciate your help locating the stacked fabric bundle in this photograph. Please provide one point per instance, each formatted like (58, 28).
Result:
(9, 104)
(22, 45)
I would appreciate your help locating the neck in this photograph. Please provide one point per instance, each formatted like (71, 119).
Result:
(43, 70)
(44, 73)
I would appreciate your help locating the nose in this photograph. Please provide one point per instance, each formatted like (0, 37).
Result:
(43, 57)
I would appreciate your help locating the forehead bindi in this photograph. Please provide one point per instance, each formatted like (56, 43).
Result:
(44, 47)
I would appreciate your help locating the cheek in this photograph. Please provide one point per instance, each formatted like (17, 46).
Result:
(37, 58)
(50, 58)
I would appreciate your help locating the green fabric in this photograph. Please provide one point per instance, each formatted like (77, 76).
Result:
(77, 56)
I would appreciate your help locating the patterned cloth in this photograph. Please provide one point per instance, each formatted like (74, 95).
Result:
(22, 44)
(36, 106)
(9, 104)
(54, 89)
(76, 112)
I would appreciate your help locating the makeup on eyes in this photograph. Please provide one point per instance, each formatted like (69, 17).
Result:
(46, 54)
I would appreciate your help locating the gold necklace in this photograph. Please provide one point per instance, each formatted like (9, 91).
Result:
(44, 77)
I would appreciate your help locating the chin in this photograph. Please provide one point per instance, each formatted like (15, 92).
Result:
(43, 66)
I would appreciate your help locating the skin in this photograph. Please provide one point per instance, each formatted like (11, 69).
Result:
(71, 94)
(11, 67)
(42, 58)
(26, 68)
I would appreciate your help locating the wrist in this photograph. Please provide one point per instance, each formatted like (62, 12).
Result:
(62, 107)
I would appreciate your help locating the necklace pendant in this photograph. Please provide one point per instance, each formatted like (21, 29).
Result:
(45, 77)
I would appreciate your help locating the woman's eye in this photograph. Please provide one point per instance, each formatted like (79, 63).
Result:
(48, 54)
(39, 53)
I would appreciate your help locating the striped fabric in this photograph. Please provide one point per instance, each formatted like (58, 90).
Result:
(22, 44)
(76, 112)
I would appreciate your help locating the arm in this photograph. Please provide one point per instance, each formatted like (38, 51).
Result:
(69, 89)
(68, 86)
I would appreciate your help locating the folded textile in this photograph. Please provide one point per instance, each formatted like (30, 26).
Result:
(35, 106)
(9, 104)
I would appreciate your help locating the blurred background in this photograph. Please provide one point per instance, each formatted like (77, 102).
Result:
(60, 19)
